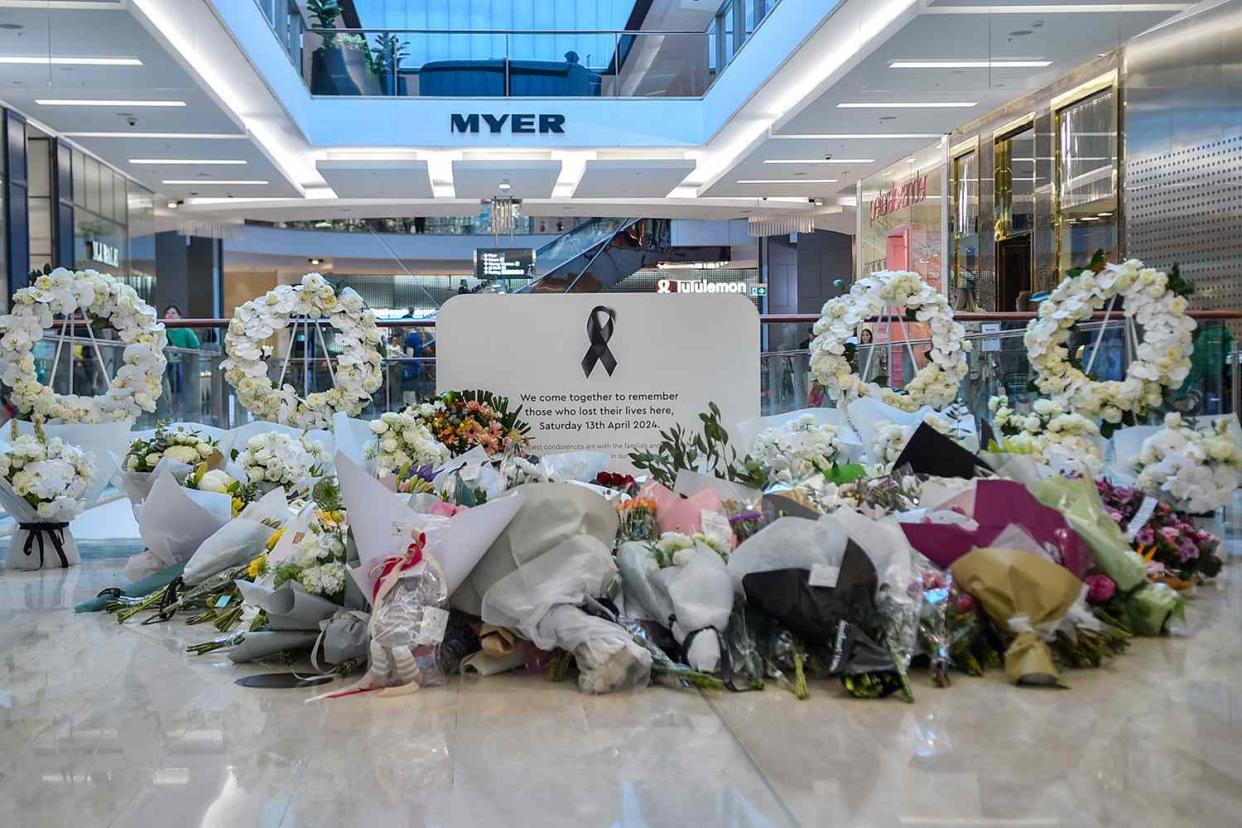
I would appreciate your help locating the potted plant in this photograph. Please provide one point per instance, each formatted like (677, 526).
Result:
(387, 54)
(342, 64)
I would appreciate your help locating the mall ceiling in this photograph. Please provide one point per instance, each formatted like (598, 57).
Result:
(939, 64)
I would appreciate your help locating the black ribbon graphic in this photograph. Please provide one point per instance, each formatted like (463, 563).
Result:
(599, 335)
(55, 533)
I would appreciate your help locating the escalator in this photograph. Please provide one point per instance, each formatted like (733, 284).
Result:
(598, 254)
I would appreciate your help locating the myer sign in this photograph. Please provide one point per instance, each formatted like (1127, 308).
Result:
(97, 251)
(604, 372)
(518, 124)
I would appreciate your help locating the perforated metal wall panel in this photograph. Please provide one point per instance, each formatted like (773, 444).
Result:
(1183, 173)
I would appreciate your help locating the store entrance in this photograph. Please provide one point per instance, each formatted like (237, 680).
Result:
(1013, 271)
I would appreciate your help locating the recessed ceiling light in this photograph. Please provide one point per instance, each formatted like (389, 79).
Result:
(819, 161)
(214, 181)
(189, 161)
(907, 105)
(846, 136)
(504, 185)
(315, 260)
(89, 102)
(784, 181)
(45, 60)
(969, 64)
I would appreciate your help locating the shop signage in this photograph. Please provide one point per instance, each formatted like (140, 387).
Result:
(504, 263)
(518, 124)
(98, 251)
(899, 197)
(704, 286)
(604, 372)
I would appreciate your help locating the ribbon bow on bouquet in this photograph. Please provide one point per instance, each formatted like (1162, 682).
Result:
(384, 570)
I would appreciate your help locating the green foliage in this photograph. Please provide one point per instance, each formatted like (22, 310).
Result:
(388, 52)
(1178, 285)
(509, 420)
(327, 494)
(708, 451)
(325, 13)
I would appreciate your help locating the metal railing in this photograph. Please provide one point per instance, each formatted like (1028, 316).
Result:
(513, 63)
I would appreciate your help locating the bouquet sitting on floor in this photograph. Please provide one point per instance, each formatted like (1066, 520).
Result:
(42, 483)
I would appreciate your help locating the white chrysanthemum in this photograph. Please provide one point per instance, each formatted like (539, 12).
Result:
(796, 450)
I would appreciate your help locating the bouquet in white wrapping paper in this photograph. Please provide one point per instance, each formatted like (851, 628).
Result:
(173, 522)
(683, 584)
(1196, 471)
(104, 442)
(178, 448)
(401, 441)
(274, 459)
(241, 540)
(42, 483)
(1063, 440)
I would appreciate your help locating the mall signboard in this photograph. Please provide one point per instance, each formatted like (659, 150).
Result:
(494, 263)
(604, 372)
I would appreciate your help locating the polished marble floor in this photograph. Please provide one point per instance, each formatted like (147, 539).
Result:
(102, 724)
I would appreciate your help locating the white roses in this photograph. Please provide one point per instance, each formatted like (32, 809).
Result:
(935, 384)
(183, 446)
(275, 459)
(138, 382)
(401, 440)
(1161, 358)
(357, 374)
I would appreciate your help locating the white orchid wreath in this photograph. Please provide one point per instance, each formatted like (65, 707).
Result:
(357, 373)
(935, 384)
(97, 296)
(1161, 357)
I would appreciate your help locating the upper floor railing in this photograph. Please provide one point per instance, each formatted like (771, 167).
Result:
(512, 63)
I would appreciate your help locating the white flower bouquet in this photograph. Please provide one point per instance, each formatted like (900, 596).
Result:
(401, 440)
(316, 556)
(797, 450)
(276, 459)
(681, 582)
(180, 445)
(1197, 471)
(42, 484)
(1050, 432)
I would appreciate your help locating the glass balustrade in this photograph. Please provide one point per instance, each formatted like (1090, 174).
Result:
(195, 390)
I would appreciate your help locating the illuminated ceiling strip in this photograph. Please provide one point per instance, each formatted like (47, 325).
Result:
(907, 104)
(188, 161)
(1074, 8)
(847, 136)
(46, 60)
(214, 181)
(90, 102)
(820, 161)
(198, 136)
(787, 181)
(969, 64)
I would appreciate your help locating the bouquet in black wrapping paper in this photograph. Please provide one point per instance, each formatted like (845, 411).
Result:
(822, 589)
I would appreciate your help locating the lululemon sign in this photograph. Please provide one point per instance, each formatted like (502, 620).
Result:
(604, 372)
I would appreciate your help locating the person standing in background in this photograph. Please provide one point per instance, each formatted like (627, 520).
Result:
(175, 372)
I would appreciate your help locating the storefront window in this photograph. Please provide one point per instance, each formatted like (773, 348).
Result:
(100, 217)
(1015, 183)
(39, 200)
(964, 220)
(1086, 179)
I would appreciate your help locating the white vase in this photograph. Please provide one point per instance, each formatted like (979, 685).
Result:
(44, 546)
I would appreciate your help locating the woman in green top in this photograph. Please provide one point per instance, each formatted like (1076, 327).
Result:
(178, 338)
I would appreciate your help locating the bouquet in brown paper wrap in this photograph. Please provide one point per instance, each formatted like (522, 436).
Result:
(1029, 598)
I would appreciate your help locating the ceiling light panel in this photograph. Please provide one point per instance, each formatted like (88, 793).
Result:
(787, 181)
(46, 60)
(907, 104)
(243, 181)
(206, 162)
(969, 64)
(819, 161)
(119, 103)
